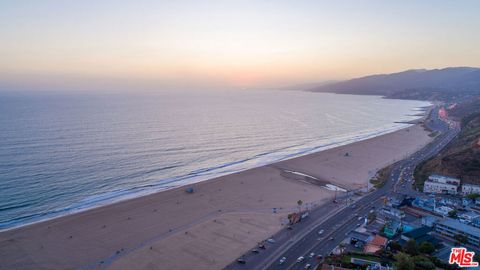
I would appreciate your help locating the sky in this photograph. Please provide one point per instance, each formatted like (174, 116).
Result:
(227, 44)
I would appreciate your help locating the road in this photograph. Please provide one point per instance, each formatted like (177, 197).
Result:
(336, 220)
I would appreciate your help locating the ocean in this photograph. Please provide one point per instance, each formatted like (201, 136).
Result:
(63, 153)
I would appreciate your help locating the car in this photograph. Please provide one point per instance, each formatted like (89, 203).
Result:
(331, 239)
(255, 250)
(359, 224)
(271, 241)
(319, 257)
(320, 232)
(282, 260)
(261, 246)
(290, 228)
(300, 259)
(360, 218)
(311, 255)
(307, 266)
(241, 261)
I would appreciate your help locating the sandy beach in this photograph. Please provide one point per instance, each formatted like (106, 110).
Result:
(220, 220)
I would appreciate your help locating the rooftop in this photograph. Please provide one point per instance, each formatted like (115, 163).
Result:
(417, 233)
(452, 223)
(470, 214)
(360, 236)
(471, 185)
(332, 267)
(380, 240)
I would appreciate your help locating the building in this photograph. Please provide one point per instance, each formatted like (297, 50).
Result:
(391, 228)
(359, 238)
(427, 204)
(371, 265)
(332, 267)
(429, 221)
(466, 202)
(468, 217)
(444, 179)
(451, 227)
(396, 201)
(470, 189)
(420, 235)
(376, 244)
(443, 210)
(393, 212)
(440, 184)
(476, 222)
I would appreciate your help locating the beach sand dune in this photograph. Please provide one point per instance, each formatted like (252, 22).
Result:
(207, 229)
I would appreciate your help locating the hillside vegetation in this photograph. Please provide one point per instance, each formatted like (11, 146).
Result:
(452, 84)
(461, 158)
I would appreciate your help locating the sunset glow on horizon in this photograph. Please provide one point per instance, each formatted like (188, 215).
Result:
(238, 44)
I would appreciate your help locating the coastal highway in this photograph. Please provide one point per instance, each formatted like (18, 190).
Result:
(336, 220)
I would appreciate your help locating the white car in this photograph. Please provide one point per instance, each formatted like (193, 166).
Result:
(271, 241)
(307, 266)
(300, 259)
(320, 232)
(282, 260)
(311, 255)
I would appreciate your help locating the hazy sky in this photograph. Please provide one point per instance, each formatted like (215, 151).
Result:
(230, 43)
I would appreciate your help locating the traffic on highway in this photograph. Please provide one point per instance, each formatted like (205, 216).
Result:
(305, 244)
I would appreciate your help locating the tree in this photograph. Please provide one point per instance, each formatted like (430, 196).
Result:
(394, 246)
(426, 248)
(423, 263)
(452, 214)
(404, 262)
(411, 247)
(473, 196)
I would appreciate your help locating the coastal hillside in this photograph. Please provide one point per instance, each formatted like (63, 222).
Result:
(461, 158)
(453, 83)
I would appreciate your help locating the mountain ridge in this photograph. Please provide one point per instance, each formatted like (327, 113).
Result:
(412, 83)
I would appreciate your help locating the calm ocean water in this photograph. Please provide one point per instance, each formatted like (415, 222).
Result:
(64, 153)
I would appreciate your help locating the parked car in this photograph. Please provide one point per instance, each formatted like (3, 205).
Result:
(311, 255)
(320, 232)
(307, 266)
(241, 261)
(300, 259)
(282, 260)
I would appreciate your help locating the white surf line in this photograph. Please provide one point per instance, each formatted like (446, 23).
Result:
(327, 186)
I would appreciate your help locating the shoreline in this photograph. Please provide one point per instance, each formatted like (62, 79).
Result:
(224, 217)
(169, 183)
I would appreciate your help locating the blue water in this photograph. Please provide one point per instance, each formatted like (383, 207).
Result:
(67, 152)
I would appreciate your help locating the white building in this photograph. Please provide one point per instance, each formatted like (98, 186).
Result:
(470, 189)
(441, 184)
(444, 179)
(468, 217)
(443, 210)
